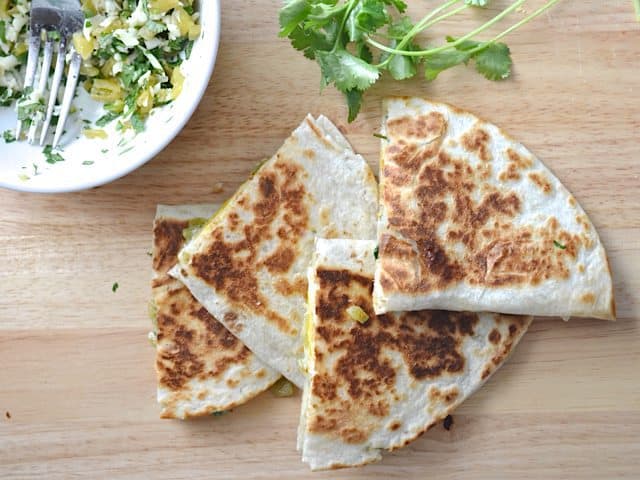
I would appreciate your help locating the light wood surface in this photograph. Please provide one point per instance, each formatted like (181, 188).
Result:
(76, 371)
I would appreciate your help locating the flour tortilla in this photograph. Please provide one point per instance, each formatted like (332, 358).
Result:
(248, 265)
(201, 367)
(378, 385)
(471, 220)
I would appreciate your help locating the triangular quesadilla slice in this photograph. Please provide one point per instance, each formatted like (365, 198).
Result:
(376, 383)
(248, 264)
(471, 220)
(201, 367)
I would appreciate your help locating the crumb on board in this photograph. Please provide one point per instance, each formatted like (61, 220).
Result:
(217, 187)
(7, 414)
(448, 422)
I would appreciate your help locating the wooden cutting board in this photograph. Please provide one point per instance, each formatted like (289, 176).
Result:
(77, 386)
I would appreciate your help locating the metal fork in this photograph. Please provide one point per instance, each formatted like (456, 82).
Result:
(56, 21)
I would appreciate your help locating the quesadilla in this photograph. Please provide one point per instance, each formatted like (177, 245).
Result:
(471, 220)
(201, 367)
(377, 382)
(248, 264)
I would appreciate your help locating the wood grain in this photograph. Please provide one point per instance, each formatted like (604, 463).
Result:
(76, 371)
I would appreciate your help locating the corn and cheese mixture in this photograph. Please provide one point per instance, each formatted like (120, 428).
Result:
(131, 55)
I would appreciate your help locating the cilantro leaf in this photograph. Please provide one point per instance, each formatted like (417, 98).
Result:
(398, 4)
(401, 67)
(364, 52)
(494, 62)
(366, 17)
(346, 71)
(354, 102)
(309, 41)
(294, 12)
(401, 27)
(436, 63)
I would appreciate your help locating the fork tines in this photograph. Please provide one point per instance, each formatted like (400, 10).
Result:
(37, 75)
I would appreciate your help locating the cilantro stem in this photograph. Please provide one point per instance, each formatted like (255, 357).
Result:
(517, 25)
(422, 25)
(337, 44)
(482, 28)
(417, 28)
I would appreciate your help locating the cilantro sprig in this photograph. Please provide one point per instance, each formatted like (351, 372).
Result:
(355, 41)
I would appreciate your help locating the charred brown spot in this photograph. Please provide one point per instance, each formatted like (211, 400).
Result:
(318, 133)
(286, 288)
(323, 387)
(353, 435)
(280, 261)
(588, 298)
(395, 426)
(167, 239)
(494, 336)
(519, 161)
(541, 181)
(231, 320)
(486, 372)
(477, 140)
(436, 350)
(428, 126)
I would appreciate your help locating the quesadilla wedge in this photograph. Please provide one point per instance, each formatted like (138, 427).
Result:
(248, 264)
(377, 382)
(201, 367)
(471, 220)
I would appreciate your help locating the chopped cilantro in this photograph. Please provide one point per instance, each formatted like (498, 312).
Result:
(9, 136)
(51, 156)
(114, 287)
(379, 135)
(375, 252)
(137, 123)
(559, 245)
(87, 162)
(106, 118)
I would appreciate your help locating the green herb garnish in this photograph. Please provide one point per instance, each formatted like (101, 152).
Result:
(356, 41)
(9, 136)
(114, 287)
(559, 245)
(379, 135)
(87, 162)
(375, 252)
(51, 156)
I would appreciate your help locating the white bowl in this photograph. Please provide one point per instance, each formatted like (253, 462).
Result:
(23, 166)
